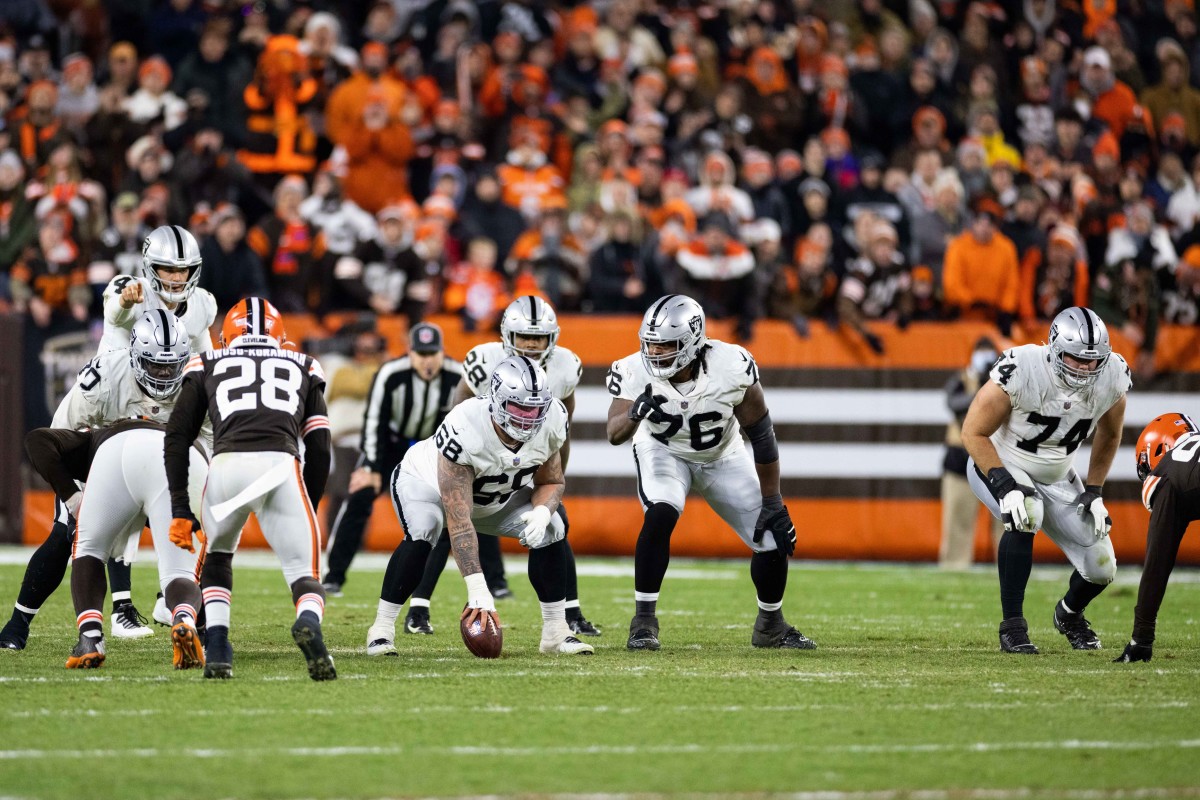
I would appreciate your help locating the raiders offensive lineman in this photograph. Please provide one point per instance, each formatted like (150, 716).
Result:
(494, 468)
(262, 400)
(1021, 431)
(529, 327)
(678, 399)
(141, 380)
(128, 485)
(171, 266)
(1169, 468)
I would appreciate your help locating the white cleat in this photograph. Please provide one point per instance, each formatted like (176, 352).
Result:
(127, 623)
(161, 615)
(381, 642)
(559, 640)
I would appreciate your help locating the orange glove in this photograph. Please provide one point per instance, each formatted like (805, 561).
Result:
(181, 532)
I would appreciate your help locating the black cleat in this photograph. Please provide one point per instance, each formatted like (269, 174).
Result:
(306, 633)
(581, 627)
(218, 654)
(1014, 637)
(88, 653)
(773, 631)
(417, 621)
(332, 589)
(1076, 628)
(502, 593)
(643, 633)
(14, 636)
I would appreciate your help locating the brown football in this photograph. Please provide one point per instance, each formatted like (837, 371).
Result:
(486, 640)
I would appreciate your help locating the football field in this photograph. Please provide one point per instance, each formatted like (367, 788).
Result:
(907, 697)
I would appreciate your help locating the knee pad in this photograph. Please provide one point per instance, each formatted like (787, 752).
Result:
(1101, 566)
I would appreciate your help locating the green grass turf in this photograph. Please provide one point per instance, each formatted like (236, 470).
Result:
(908, 691)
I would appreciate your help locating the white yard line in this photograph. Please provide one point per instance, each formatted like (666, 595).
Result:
(599, 749)
(1019, 793)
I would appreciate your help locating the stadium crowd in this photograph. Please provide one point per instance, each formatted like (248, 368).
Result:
(836, 161)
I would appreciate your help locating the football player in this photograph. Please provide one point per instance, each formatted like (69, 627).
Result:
(1169, 469)
(126, 486)
(682, 399)
(1021, 431)
(262, 399)
(141, 380)
(529, 327)
(493, 467)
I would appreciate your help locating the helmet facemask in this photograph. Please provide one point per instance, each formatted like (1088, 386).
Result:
(529, 316)
(172, 291)
(1075, 377)
(160, 374)
(521, 420)
(519, 397)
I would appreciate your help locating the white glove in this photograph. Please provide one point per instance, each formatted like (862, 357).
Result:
(478, 594)
(1090, 502)
(537, 522)
(72, 504)
(1018, 506)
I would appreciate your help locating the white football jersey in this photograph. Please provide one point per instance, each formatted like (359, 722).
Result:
(701, 427)
(563, 369)
(1049, 420)
(199, 313)
(105, 392)
(467, 436)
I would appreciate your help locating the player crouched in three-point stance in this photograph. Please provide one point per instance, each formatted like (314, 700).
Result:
(678, 399)
(262, 400)
(1041, 403)
(1168, 464)
(126, 484)
(475, 473)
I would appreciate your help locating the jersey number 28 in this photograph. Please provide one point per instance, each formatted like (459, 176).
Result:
(278, 385)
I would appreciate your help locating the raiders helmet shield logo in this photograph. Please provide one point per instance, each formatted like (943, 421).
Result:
(696, 323)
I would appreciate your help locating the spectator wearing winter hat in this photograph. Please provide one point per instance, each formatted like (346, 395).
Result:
(617, 269)
(1053, 278)
(475, 288)
(38, 129)
(1174, 93)
(758, 181)
(232, 270)
(527, 177)
(933, 228)
(980, 276)
(153, 102)
(78, 98)
(774, 104)
(717, 270)
(119, 248)
(339, 218)
(552, 255)
(485, 214)
(877, 285)
(291, 249)
(1111, 100)
(928, 128)
(871, 195)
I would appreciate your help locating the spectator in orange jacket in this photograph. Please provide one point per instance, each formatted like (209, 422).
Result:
(527, 178)
(475, 290)
(552, 255)
(1053, 280)
(980, 277)
(348, 101)
(379, 147)
(1112, 100)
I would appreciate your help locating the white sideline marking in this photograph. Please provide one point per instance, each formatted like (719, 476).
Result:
(42, 713)
(597, 749)
(878, 794)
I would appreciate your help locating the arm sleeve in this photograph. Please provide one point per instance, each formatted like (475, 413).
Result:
(1162, 546)
(61, 457)
(182, 428)
(317, 444)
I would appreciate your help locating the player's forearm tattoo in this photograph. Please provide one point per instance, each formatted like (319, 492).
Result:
(454, 481)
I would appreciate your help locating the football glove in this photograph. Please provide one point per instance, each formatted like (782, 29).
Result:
(1089, 501)
(646, 406)
(182, 528)
(537, 523)
(479, 597)
(1015, 500)
(774, 517)
(72, 504)
(1135, 652)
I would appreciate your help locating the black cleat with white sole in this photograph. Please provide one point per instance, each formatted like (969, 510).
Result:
(1076, 628)
(582, 627)
(1014, 637)
(417, 622)
(306, 633)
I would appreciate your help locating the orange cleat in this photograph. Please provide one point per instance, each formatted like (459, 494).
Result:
(185, 644)
(88, 653)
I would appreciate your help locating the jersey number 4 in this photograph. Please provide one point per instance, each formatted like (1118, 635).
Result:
(1070, 441)
(273, 383)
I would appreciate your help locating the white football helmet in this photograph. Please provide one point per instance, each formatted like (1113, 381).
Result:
(520, 397)
(676, 319)
(529, 316)
(171, 246)
(159, 351)
(1079, 333)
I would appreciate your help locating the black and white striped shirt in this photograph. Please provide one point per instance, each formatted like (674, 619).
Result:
(403, 409)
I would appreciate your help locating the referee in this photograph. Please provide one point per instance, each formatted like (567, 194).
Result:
(409, 397)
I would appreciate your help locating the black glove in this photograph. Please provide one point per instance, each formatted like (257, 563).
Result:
(1135, 652)
(774, 517)
(873, 342)
(646, 406)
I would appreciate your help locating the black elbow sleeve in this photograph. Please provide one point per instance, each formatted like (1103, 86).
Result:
(762, 441)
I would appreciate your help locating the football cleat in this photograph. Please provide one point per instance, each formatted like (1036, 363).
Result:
(14, 636)
(332, 589)
(88, 653)
(381, 642)
(1014, 637)
(306, 633)
(558, 639)
(218, 653)
(128, 623)
(502, 593)
(161, 614)
(186, 652)
(417, 621)
(777, 633)
(643, 633)
(581, 627)
(1076, 628)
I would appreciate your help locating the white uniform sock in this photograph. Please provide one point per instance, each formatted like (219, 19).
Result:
(217, 600)
(385, 615)
(311, 601)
